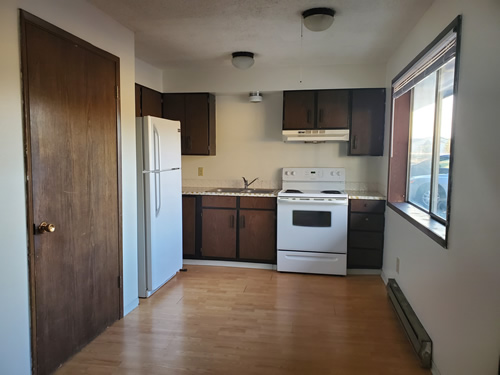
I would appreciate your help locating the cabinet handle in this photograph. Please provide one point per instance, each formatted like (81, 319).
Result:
(355, 142)
(308, 116)
(320, 115)
(242, 221)
(231, 221)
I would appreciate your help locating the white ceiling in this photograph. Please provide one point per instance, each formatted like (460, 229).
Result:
(203, 33)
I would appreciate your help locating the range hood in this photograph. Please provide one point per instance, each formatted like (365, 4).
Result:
(316, 135)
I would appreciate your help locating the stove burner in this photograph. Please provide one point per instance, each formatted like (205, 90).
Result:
(331, 192)
(293, 191)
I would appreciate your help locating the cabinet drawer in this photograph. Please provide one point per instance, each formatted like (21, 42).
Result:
(218, 201)
(263, 203)
(367, 205)
(368, 222)
(364, 258)
(366, 240)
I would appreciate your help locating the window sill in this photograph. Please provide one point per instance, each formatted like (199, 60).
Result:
(422, 221)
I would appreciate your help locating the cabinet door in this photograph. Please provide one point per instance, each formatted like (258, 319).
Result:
(257, 235)
(189, 225)
(151, 102)
(368, 116)
(197, 137)
(137, 100)
(333, 109)
(174, 109)
(218, 238)
(298, 110)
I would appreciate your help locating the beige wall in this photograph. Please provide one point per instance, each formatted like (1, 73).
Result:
(455, 291)
(86, 22)
(249, 144)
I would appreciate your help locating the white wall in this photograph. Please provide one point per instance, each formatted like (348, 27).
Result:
(148, 75)
(86, 22)
(228, 79)
(249, 144)
(455, 291)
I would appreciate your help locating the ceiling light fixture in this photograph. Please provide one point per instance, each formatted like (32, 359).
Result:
(243, 60)
(318, 19)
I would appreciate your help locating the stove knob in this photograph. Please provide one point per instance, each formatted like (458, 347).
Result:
(293, 173)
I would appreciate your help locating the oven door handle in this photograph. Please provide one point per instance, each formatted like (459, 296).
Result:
(337, 202)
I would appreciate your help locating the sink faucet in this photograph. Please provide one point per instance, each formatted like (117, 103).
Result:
(247, 184)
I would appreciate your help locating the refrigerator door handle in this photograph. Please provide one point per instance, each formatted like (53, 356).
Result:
(159, 195)
(157, 151)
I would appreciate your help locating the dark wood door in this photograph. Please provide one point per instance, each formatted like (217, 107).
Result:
(174, 108)
(71, 120)
(197, 136)
(298, 110)
(257, 235)
(333, 109)
(189, 225)
(368, 116)
(137, 100)
(151, 102)
(218, 238)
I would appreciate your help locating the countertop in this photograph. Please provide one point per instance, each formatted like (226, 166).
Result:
(353, 194)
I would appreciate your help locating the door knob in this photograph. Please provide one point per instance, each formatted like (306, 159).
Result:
(46, 227)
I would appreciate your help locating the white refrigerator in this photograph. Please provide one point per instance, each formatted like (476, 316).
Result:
(159, 202)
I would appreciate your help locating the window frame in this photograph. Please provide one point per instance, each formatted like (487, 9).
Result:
(397, 196)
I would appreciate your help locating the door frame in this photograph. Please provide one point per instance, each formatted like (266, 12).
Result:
(26, 18)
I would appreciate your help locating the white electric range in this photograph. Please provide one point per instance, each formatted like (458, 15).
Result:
(312, 221)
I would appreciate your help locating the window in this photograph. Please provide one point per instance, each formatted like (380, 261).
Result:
(423, 98)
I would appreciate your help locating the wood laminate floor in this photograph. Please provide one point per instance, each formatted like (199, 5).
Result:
(219, 320)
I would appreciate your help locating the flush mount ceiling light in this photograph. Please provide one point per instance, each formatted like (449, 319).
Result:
(318, 19)
(243, 60)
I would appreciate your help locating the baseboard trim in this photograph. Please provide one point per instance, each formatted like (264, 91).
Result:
(355, 271)
(224, 263)
(131, 306)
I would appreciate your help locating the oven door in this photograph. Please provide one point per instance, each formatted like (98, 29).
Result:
(309, 224)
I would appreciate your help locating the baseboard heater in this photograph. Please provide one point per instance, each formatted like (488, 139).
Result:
(420, 340)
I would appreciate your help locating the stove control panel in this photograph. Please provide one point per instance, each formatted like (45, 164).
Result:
(314, 174)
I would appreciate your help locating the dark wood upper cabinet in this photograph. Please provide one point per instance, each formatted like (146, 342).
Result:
(196, 112)
(137, 100)
(151, 102)
(298, 110)
(316, 109)
(367, 127)
(147, 102)
(333, 109)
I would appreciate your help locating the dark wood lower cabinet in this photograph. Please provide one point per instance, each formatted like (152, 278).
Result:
(366, 234)
(257, 235)
(229, 228)
(189, 225)
(218, 238)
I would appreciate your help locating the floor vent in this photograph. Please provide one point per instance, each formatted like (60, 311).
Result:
(415, 331)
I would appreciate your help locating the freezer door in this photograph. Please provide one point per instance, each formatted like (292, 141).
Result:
(163, 227)
(161, 143)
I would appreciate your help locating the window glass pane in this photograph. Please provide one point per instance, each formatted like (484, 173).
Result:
(421, 141)
(445, 97)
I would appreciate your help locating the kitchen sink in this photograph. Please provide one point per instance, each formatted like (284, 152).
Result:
(241, 190)
(225, 190)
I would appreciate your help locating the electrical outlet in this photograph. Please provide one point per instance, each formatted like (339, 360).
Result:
(397, 265)
(200, 171)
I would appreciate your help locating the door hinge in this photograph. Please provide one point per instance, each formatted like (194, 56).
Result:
(120, 282)
(117, 92)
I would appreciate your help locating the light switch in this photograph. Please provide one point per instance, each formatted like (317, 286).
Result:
(200, 171)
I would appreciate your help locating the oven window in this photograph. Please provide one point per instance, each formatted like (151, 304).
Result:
(312, 218)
